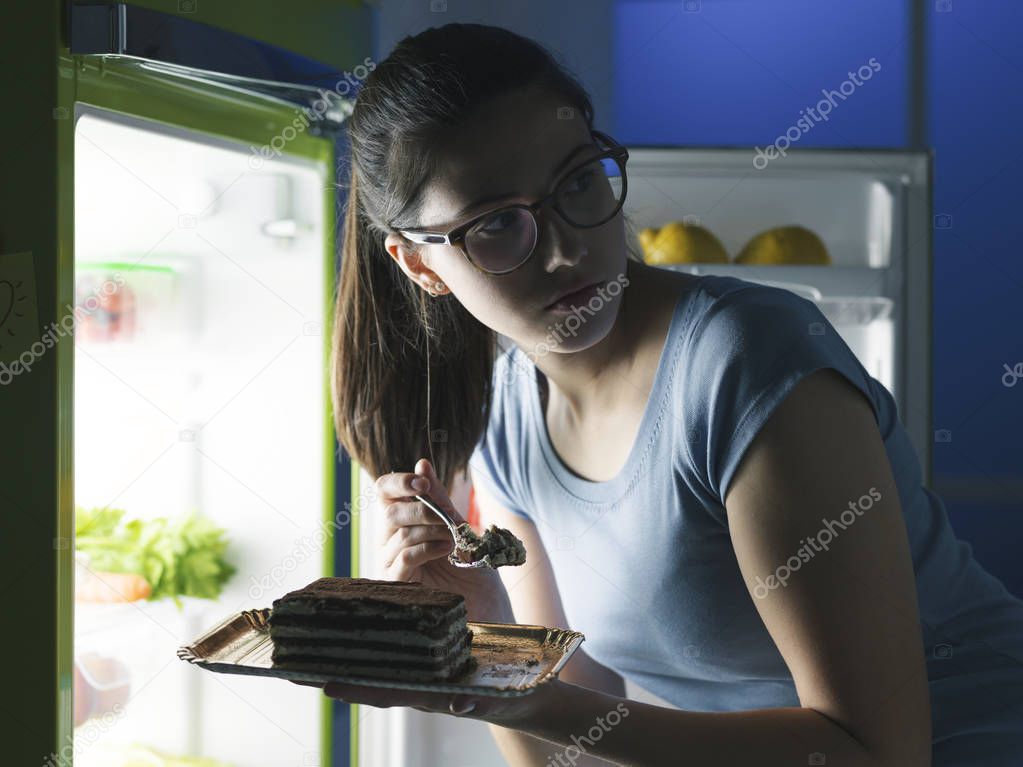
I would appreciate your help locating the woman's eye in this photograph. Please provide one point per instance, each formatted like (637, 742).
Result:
(580, 182)
(497, 223)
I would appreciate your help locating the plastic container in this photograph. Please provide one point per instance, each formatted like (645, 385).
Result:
(102, 685)
(104, 307)
(125, 302)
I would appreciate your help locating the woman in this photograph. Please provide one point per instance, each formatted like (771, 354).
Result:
(707, 482)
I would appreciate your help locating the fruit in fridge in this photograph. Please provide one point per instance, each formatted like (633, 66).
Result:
(794, 245)
(681, 243)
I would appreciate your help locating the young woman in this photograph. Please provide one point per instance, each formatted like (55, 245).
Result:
(708, 483)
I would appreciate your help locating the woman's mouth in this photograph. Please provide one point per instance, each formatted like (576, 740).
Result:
(566, 304)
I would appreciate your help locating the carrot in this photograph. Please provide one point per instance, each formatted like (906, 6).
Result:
(112, 587)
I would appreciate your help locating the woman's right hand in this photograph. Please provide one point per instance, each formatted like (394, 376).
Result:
(416, 543)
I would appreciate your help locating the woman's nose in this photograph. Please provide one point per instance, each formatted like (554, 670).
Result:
(560, 243)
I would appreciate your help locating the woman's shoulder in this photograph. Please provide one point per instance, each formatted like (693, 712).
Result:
(726, 315)
(714, 292)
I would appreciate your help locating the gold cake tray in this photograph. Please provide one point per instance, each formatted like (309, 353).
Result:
(511, 659)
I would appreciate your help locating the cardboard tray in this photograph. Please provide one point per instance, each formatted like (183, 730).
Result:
(511, 660)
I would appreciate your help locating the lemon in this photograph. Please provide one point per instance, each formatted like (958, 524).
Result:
(785, 245)
(681, 243)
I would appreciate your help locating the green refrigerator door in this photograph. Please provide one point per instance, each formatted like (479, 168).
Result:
(50, 86)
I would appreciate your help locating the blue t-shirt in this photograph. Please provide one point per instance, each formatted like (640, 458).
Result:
(644, 562)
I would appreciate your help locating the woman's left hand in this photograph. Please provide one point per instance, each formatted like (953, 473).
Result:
(508, 712)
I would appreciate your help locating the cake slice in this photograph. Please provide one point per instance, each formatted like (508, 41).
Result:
(495, 548)
(361, 627)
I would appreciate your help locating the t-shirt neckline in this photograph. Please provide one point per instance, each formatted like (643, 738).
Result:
(611, 489)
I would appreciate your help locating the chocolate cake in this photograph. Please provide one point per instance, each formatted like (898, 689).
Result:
(495, 548)
(362, 627)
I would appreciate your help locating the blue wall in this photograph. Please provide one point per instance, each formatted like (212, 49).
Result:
(740, 72)
(975, 122)
(722, 72)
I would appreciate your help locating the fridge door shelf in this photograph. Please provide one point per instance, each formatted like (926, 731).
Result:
(845, 295)
(855, 310)
(824, 281)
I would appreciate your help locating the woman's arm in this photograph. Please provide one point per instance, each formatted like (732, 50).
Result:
(845, 620)
(535, 600)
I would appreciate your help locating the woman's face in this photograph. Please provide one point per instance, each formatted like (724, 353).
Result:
(514, 152)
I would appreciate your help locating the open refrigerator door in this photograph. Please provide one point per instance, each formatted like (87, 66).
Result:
(200, 413)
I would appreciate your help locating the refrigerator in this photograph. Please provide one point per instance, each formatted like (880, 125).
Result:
(174, 193)
(871, 209)
(167, 274)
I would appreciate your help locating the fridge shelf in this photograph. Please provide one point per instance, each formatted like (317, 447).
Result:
(813, 282)
(855, 310)
(853, 200)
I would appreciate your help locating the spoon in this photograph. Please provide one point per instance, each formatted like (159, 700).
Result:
(453, 529)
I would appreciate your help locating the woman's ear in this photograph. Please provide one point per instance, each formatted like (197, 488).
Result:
(411, 262)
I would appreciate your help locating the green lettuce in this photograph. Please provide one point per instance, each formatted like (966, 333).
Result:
(179, 556)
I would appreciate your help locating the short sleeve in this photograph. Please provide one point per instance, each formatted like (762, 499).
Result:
(745, 355)
(485, 471)
(494, 462)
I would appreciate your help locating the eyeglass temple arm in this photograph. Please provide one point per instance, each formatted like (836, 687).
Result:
(426, 238)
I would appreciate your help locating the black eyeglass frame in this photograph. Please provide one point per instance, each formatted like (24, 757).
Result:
(456, 236)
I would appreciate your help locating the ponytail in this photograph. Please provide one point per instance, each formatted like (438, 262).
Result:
(410, 373)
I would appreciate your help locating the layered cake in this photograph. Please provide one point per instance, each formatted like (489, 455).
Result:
(495, 548)
(361, 627)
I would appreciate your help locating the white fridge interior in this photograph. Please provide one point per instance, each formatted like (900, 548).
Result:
(199, 385)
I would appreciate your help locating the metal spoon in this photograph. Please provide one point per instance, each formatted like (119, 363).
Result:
(452, 528)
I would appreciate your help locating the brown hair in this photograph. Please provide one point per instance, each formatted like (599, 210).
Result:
(411, 373)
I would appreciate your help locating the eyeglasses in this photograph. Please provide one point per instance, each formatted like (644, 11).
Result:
(500, 241)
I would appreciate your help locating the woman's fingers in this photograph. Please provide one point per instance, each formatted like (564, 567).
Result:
(405, 537)
(399, 484)
(459, 705)
(412, 535)
(412, 558)
(437, 491)
(401, 514)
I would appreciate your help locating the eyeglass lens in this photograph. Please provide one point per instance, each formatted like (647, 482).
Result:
(587, 196)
